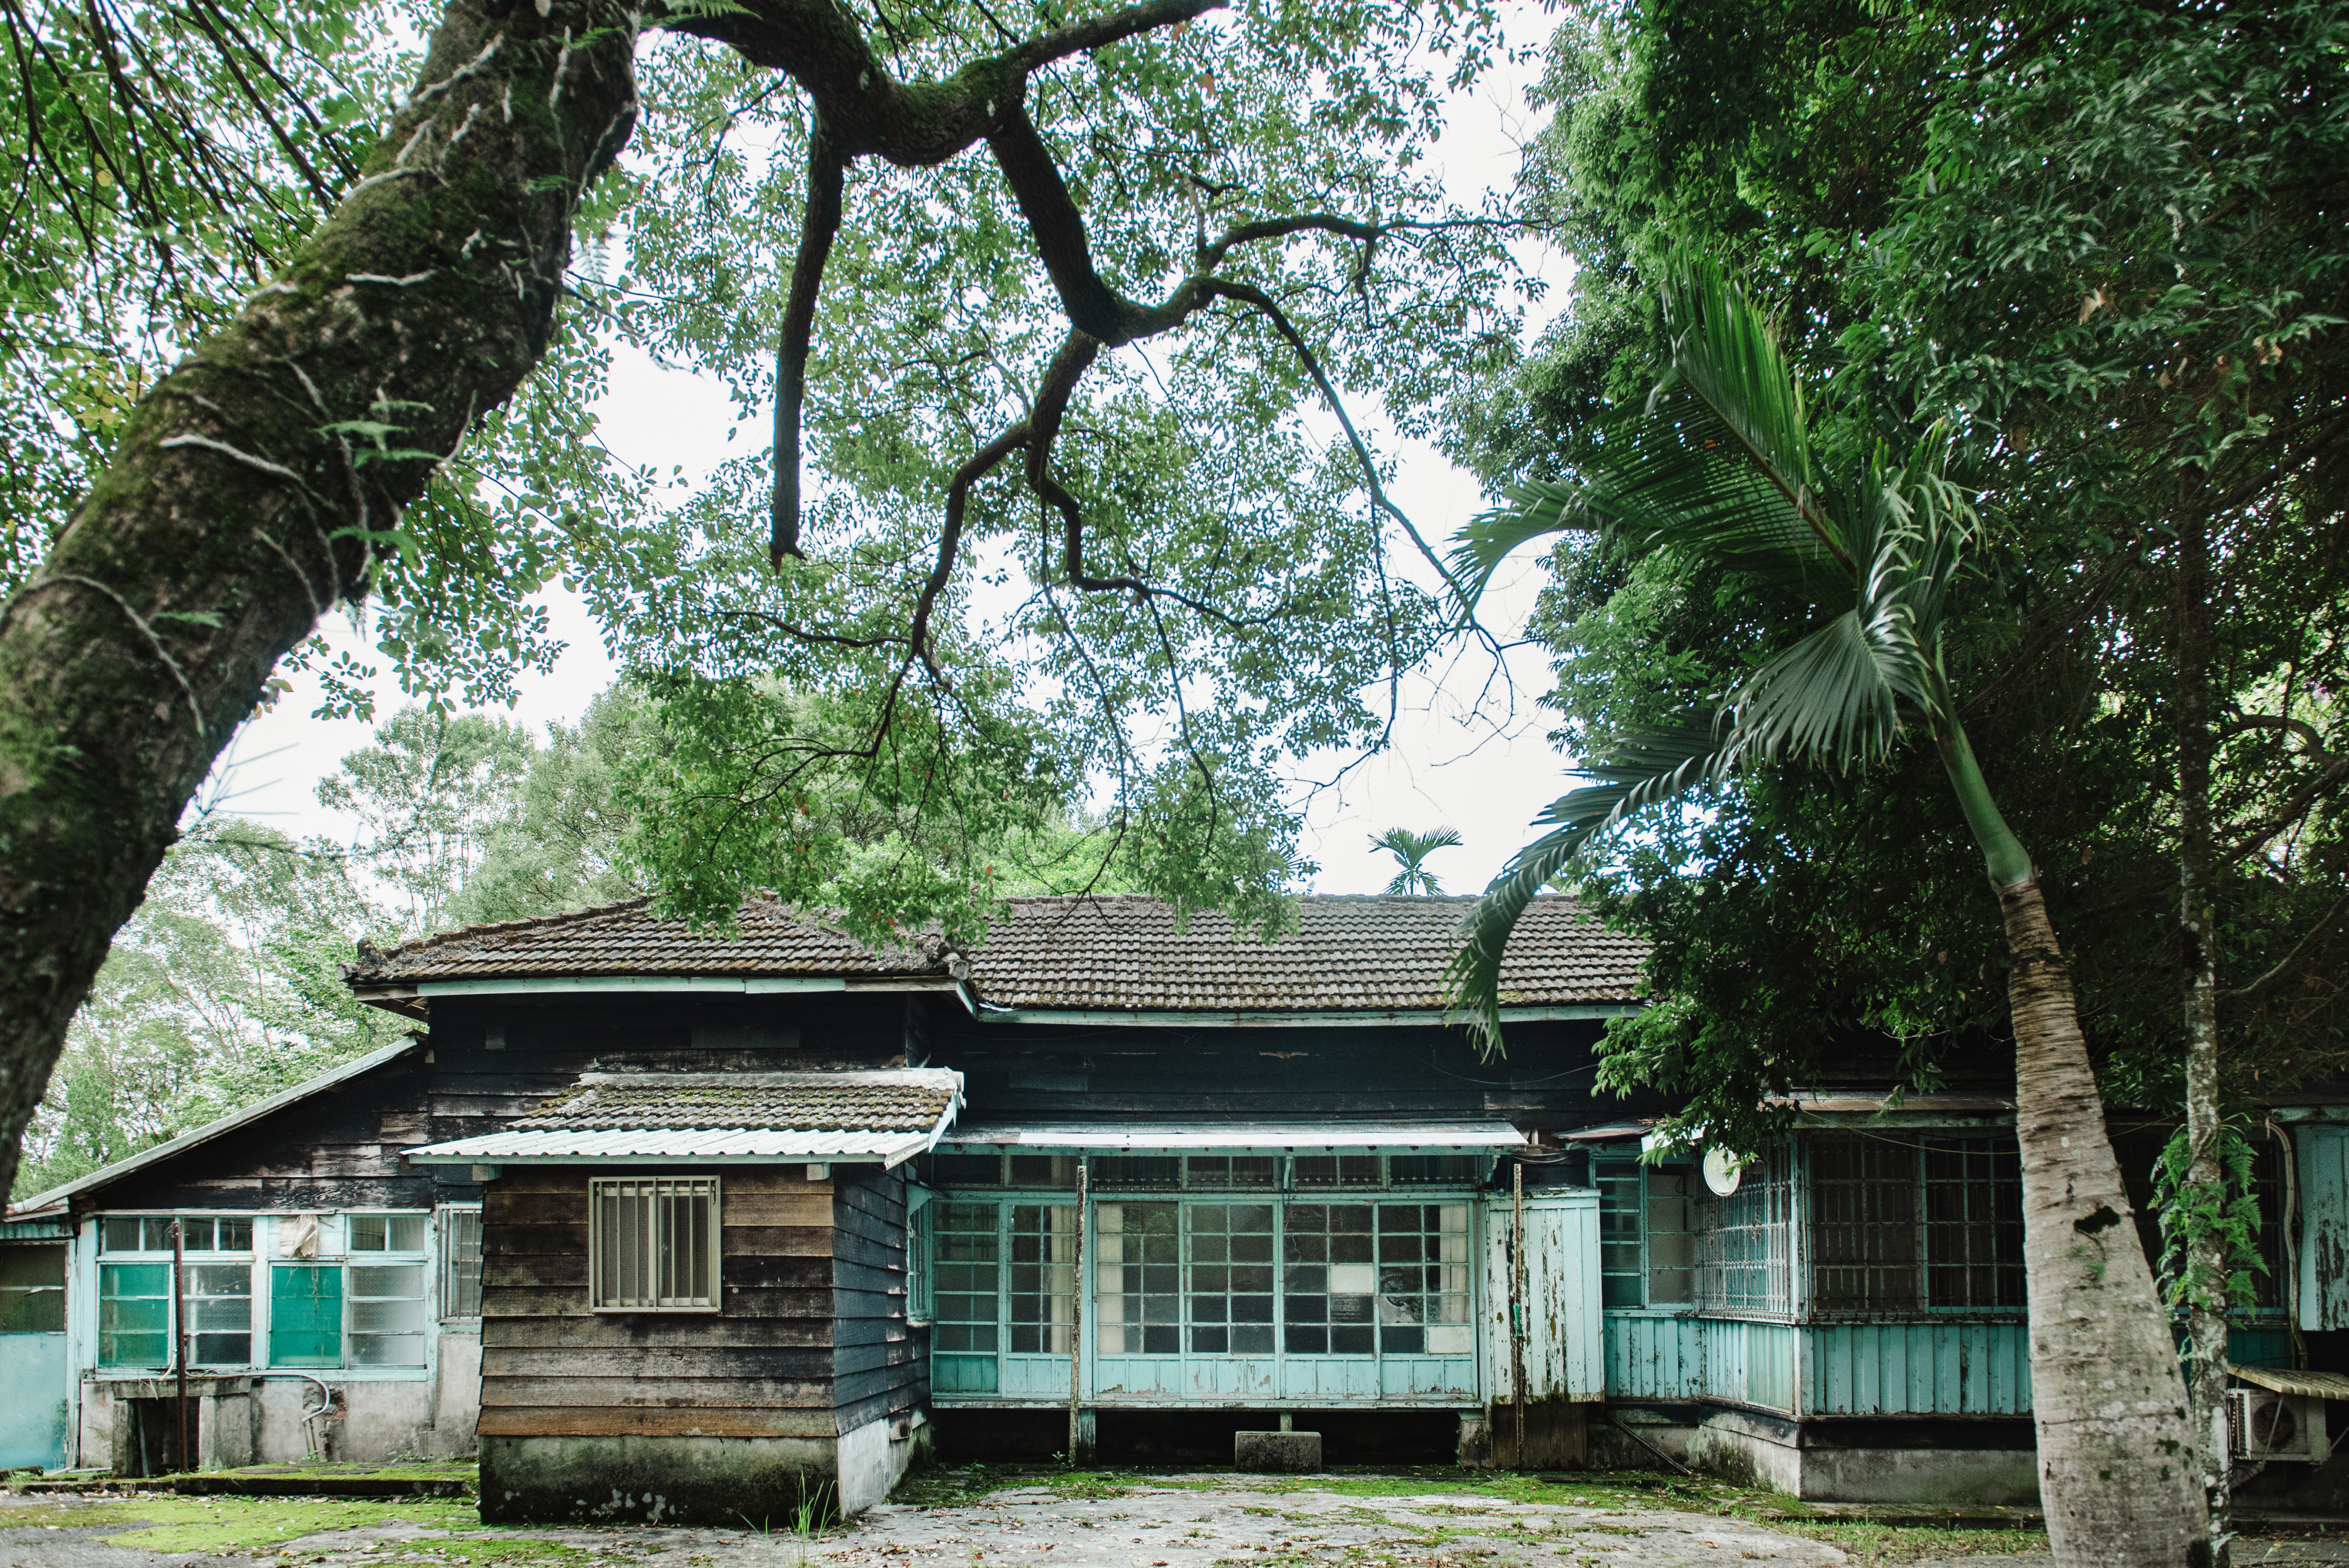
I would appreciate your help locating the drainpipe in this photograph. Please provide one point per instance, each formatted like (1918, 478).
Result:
(1077, 1321)
(179, 1327)
(1517, 1305)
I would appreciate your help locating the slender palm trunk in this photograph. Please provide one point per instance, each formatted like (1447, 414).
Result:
(2206, 1260)
(2117, 1476)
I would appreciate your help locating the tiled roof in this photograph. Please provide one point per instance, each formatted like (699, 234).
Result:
(1346, 955)
(908, 1100)
(1116, 954)
(770, 939)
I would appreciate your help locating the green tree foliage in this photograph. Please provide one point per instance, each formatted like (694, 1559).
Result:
(227, 984)
(1411, 851)
(2025, 224)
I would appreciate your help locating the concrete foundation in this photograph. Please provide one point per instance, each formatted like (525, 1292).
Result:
(1276, 1453)
(761, 1484)
(131, 1424)
(1946, 1460)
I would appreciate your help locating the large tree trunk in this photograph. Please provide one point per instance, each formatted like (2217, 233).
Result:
(2207, 1260)
(255, 481)
(2116, 1467)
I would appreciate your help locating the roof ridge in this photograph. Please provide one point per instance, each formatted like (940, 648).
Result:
(370, 951)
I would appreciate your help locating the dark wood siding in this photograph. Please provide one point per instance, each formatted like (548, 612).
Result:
(882, 1367)
(342, 1150)
(811, 1339)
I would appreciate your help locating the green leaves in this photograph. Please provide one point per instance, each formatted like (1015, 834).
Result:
(1719, 465)
(1639, 770)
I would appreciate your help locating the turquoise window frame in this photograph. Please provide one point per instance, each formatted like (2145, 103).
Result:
(974, 1358)
(128, 1319)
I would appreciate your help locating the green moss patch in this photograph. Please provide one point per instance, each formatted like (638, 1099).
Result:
(174, 1524)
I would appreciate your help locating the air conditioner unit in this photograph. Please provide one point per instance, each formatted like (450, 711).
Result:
(2265, 1425)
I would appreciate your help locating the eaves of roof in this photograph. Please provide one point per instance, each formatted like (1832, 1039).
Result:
(107, 1175)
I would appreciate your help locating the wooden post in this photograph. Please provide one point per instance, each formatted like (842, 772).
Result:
(1076, 1322)
(180, 1334)
(1517, 1305)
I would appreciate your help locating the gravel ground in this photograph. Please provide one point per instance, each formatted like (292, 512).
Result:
(1131, 1522)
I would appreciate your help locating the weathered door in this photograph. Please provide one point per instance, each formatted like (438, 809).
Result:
(1557, 1317)
(33, 1383)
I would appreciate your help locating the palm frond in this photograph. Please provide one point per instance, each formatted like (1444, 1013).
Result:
(1717, 462)
(1531, 509)
(1640, 770)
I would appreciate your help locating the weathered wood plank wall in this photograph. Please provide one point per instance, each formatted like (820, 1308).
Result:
(769, 1363)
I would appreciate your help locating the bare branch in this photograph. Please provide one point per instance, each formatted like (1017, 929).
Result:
(826, 171)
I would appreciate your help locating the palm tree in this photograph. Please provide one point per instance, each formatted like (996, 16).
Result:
(1410, 851)
(1722, 464)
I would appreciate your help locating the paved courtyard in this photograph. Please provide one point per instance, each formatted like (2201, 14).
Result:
(1095, 1522)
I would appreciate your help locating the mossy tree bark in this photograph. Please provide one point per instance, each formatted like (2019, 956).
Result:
(256, 480)
(2117, 1471)
(2208, 1261)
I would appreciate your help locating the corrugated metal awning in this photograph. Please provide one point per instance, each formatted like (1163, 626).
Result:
(1248, 1135)
(2309, 1385)
(720, 1146)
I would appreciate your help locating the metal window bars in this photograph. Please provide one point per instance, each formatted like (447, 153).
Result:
(654, 1243)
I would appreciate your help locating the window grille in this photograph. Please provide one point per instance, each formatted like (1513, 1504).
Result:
(1423, 1279)
(1743, 1243)
(1436, 1170)
(1139, 1279)
(1622, 1266)
(1130, 1171)
(1210, 1172)
(1337, 1170)
(1864, 1218)
(654, 1243)
(460, 1264)
(967, 1169)
(1043, 1278)
(1231, 1279)
(1974, 1223)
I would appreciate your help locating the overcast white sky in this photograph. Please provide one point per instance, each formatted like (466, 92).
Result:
(1469, 752)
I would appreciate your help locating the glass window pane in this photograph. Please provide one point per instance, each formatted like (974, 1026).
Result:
(965, 1292)
(1137, 1269)
(33, 1289)
(1230, 1288)
(305, 1315)
(1043, 1278)
(367, 1233)
(134, 1315)
(117, 1233)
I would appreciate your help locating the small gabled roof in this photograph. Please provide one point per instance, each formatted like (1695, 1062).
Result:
(899, 1099)
(885, 1116)
(171, 1149)
(1061, 957)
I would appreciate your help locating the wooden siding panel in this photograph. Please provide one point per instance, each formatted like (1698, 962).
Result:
(1917, 1368)
(721, 1391)
(579, 1421)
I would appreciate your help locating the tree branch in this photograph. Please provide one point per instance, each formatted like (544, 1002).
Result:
(826, 170)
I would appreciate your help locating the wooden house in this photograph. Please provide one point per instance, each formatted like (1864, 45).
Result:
(769, 1214)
